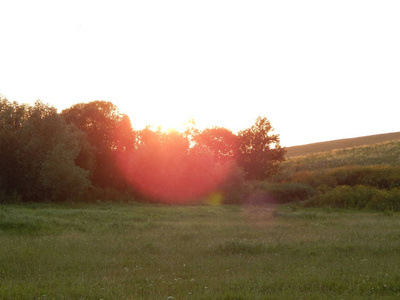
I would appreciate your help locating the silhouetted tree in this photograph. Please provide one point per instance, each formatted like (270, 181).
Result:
(48, 153)
(43, 163)
(12, 118)
(109, 132)
(259, 151)
(221, 141)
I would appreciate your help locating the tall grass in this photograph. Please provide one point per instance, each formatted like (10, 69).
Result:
(204, 252)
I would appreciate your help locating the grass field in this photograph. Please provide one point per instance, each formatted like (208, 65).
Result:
(385, 153)
(197, 252)
(341, 144)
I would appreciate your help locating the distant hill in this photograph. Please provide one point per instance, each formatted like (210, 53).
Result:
(341, 144)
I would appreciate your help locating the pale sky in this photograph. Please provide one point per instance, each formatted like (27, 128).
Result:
(318, 70)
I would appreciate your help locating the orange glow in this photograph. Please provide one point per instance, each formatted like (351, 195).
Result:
(171, 172)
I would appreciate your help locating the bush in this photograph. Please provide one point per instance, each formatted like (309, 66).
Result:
(13, 197)
(292, 192)
(382, 177)
(345, 197)
(234, 187)
(265, 192)
(100, 195)
(386, 200)
(315, 178)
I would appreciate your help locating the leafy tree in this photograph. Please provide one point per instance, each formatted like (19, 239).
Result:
(221, 141)
(99, 119)
(12, 118)
(38, 151)
(124, 136)
(59, 174)
(109, 132)
(259, 151)
(47, 152)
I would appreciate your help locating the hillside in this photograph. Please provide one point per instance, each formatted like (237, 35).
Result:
(383, 153)
(341, 144)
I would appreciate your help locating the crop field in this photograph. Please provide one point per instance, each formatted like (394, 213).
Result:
(122, 251)
(386, 153)
(341, 144)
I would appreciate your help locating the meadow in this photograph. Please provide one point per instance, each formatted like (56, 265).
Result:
(141, 251)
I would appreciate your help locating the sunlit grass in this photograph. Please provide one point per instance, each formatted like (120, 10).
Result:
(202, 252)
(387, 153)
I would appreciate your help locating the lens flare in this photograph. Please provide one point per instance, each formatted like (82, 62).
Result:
(175, 177)
(215, 199)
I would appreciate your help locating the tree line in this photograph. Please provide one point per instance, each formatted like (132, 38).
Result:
(90, 147)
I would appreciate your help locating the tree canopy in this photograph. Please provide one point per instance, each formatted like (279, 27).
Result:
(91, 148)
(260, 151)
(221, 141)
(108, 132)
(38, 153)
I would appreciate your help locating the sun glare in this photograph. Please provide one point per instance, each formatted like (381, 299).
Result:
(166, 128)
(174, 123)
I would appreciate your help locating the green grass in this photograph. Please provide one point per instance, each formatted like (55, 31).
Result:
(197, 252)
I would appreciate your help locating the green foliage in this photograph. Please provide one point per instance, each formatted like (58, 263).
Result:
(99, 119)
(386, 201)
(12, 118)
(47, 154)
(92, 148)
(42, 164)
(359, 197)
(315, 179)
(365, 177)
(109, 133)
(345, 197)
(382, 177)
(62, 177)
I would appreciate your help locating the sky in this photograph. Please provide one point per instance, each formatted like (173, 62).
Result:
(318, 70)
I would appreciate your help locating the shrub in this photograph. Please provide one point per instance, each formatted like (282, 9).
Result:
(382, 177)
(13, 197)
(266, 192)
(234, 187)
(99, 195)
(386, 200)
(315, 178)
(345, 197)
(292, 192)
